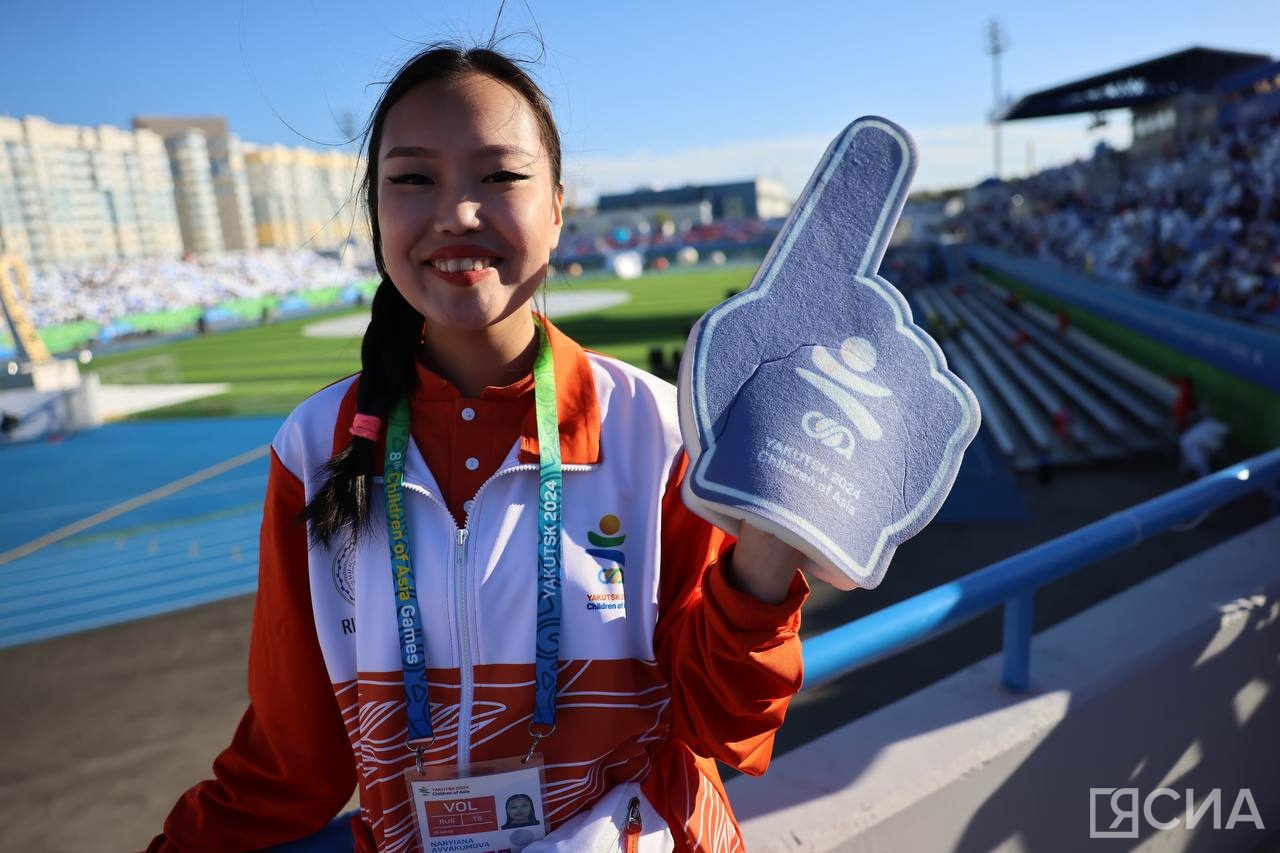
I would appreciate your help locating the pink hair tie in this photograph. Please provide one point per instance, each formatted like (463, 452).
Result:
(366, 426)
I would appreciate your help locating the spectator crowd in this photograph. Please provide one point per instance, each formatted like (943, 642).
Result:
(107, 294)
(1199, 221)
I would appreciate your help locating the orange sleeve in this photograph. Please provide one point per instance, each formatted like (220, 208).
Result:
(289, 768)
(733, 661)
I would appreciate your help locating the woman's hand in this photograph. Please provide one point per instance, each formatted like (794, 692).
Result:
(762, 565)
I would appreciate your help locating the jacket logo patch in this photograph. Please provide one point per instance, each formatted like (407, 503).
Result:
(344, 571)
(607, 545)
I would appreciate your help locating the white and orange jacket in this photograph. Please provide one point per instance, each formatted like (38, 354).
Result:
(665, 668)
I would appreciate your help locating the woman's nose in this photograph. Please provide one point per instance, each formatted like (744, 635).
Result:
(457, 215)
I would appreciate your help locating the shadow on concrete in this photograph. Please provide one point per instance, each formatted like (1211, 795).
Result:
(1177, 753)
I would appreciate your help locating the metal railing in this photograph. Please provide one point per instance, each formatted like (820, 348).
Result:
(1012, 582)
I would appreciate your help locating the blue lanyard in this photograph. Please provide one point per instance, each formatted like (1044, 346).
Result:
(550, 557)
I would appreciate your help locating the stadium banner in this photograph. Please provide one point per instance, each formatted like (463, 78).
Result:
(1249, 353)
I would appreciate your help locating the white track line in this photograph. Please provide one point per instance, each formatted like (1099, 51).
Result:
(132, 504)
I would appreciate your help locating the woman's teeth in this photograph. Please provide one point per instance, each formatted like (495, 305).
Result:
(462, 264)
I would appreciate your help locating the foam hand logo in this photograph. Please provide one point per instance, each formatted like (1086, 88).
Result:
(824, 429)
(836, 382)
(810, 404)
(608, 547)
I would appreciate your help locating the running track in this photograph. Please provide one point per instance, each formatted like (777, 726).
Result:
(135, 519)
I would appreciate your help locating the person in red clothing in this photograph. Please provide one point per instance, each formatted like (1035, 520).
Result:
(475, 562)
(1184, 405)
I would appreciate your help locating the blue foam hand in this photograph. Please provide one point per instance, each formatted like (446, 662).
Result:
(810, 404)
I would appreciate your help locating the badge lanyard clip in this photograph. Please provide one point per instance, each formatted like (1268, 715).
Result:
(537, 739)
(418, 749)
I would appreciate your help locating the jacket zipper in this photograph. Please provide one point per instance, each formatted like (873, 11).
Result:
(466, 675)
(467, 678)
(631, 831)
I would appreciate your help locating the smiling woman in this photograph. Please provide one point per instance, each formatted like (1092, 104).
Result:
(489, 445)
(470, 207)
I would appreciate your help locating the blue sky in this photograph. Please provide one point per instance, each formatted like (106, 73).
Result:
(654, 93)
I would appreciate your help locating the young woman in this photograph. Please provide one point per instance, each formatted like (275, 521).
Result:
(495, 561)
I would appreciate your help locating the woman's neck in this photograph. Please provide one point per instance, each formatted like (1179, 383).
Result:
(497, 355)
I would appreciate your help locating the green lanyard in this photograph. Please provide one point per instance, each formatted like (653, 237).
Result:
(549, 565)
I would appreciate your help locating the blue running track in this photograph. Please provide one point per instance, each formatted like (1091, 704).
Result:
(196, 545)
(200, 543)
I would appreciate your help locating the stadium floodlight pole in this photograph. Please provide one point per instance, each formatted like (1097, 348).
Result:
(997, 44)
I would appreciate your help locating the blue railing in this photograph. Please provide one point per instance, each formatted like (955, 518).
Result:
(1013, 582)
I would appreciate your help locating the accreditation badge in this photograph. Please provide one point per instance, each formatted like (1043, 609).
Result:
(487, 807)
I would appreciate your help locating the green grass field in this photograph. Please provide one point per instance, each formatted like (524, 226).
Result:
(271, 369)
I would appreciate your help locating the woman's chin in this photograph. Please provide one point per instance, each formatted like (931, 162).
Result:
(473, 319)
(472, 309)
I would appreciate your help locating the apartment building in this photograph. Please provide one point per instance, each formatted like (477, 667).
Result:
(71, 194)
(210, 182)
(305, 198)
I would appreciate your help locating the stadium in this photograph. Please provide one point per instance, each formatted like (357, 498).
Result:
(1095, 608)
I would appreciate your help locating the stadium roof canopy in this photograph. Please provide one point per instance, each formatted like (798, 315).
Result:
(1196, 69)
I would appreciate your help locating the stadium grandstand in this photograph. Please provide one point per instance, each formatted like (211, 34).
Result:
(92, 306)
(1096, 609)
(738, 220)
(1108, 313)
(1191, 212)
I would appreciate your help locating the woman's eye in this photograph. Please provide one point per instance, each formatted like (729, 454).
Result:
(504, 177)
(412, 178)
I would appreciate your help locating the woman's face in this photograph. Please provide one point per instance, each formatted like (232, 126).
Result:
(467, 205)
(519, 809)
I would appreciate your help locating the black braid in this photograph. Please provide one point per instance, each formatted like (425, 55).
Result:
(387, 373)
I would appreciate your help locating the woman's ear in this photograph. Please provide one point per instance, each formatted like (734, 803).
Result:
(557, 214)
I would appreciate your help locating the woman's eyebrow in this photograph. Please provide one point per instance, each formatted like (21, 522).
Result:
(482, 151)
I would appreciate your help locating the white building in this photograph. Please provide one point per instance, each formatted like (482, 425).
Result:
(193, 191)
(304, 198)
(157, 208)
(210, 182)
(71, 194)
(231, 190)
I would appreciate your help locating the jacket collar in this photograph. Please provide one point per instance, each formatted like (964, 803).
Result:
(578, 408)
